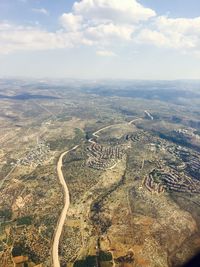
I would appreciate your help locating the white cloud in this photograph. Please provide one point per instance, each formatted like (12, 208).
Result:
(103, 22)
(13, 38)
(154, 37)
(99, 23)
(123, 11)
(181, 25)
(179, 33)
(105, 25)
(41, 11)
(107, 31)
(71, 22)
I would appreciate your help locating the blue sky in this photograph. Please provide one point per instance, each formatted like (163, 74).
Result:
(176, 8)
(129, 39)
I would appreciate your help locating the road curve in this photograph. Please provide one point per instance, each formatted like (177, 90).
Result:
(137, 119)
(106, 127)
(95, 133)
(61, 221)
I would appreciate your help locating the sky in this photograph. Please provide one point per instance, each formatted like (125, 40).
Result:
(100, 39)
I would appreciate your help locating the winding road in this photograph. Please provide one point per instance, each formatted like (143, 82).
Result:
(61, 221)
(95, 133)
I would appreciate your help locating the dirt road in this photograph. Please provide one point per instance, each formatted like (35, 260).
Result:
(61, 221)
